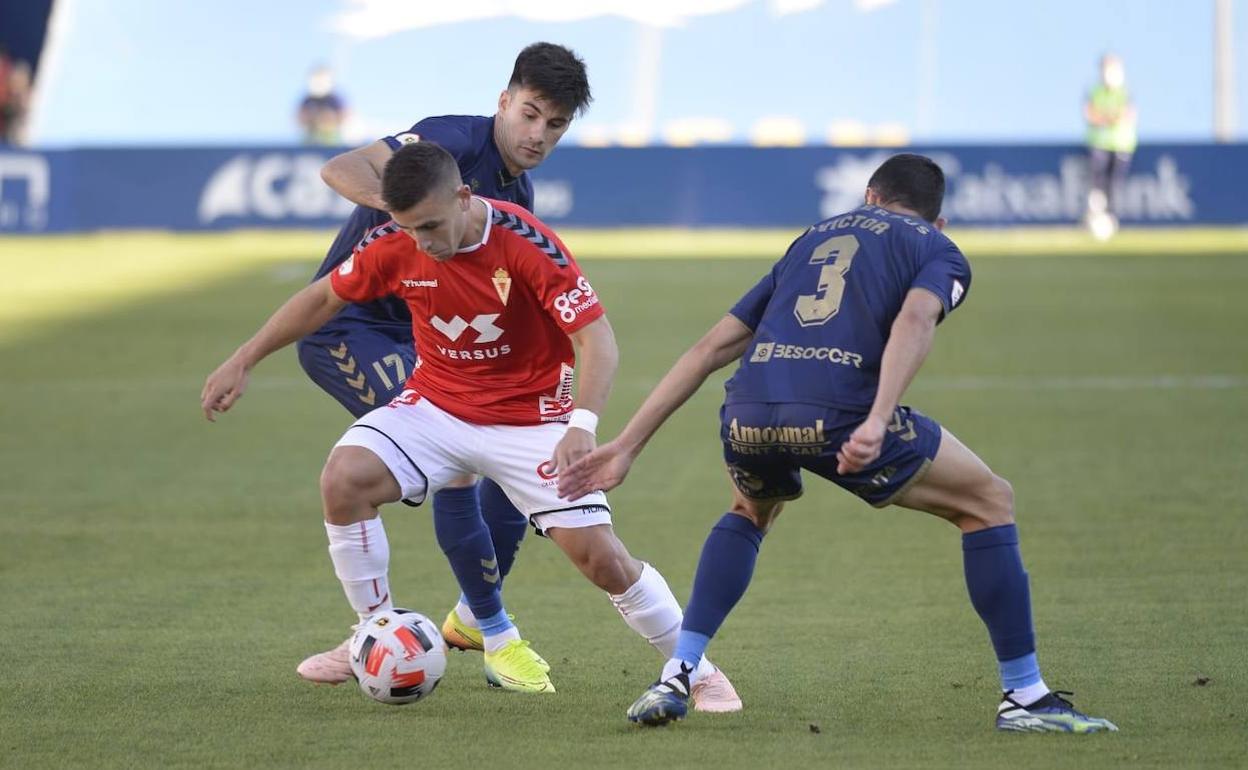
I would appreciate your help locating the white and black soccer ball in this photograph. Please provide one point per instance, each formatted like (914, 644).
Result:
(398, 656)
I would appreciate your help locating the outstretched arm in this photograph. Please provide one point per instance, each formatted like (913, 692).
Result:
(356, 174)
(597, 357)
(909, 342)
(606, 467)
(301, 315)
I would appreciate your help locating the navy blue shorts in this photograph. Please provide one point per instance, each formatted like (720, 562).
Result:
(767, 445)
(362, 369)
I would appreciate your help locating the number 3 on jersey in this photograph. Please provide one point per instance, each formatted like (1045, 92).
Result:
(816, 309)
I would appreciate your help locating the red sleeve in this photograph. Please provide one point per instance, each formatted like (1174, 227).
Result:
(362, 276)
(562, 290)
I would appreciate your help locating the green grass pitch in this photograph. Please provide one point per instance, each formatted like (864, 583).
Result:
(161, 577)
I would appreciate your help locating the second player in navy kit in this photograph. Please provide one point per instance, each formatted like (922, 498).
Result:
(818, 343)
(827, 344)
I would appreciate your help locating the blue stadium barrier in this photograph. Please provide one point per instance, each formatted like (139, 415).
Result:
(223, 188)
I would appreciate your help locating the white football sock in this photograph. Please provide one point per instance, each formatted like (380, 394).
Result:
(465, 614)
(650, 609)
(494, 642)
(361, 556)
(1025, 696)
(674, 666)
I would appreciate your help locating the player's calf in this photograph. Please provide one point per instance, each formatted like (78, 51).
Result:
(599, 555)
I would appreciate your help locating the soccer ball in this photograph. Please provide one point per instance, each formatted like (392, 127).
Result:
(398, 656)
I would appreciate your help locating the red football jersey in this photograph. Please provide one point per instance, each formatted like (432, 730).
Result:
(491, 324)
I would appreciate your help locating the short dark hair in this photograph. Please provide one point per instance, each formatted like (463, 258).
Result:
(414, 171)
(556, 73)
(913, 181)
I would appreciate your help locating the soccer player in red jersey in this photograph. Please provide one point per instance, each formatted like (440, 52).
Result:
(501, 314)
(363, 355)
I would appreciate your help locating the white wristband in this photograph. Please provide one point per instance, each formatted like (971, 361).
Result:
(585, 420)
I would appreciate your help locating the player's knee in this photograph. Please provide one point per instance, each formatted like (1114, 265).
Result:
(348, 484)
(462, 481)
(762, 513)
(997, 503)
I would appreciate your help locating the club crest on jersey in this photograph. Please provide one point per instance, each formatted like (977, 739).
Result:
(502, 284)
(408, 138)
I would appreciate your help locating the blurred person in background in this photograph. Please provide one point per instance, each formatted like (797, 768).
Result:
(322, 111)
(16, 104)
(6, 66)
(1111, 138)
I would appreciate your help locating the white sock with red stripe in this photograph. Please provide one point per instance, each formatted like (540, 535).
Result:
(361, 556)
(650, 609)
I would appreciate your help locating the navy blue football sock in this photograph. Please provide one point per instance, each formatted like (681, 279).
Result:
(465, 540)
(1001, 595)
(507, 524)
(724, 572)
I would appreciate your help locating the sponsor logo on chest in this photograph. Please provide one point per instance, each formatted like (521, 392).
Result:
(486, 332)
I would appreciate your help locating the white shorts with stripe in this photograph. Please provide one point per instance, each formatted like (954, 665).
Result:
(425, 448)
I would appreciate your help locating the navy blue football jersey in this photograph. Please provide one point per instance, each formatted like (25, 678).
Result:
(822, 316)
(470, 139)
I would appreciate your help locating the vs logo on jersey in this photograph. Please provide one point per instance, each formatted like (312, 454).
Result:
(483, 324)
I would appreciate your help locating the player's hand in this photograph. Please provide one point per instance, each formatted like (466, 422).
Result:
(602, 469)
(574, 445)
(223, 387)
(863, 446)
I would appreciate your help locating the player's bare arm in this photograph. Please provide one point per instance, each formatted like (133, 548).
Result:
(909, 342)
(597, 357)
(302, 314)
(606, 467)
(356, 174)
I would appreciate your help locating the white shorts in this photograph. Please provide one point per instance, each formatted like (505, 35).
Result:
(425, 448)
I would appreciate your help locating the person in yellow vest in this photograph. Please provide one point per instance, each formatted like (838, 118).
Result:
(1111, 119)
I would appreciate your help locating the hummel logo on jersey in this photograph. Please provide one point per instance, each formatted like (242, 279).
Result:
(414, 284)
(484, 325)
(955, 296)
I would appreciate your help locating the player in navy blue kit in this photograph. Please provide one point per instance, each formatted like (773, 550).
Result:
(363, 356)
(828, 341)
